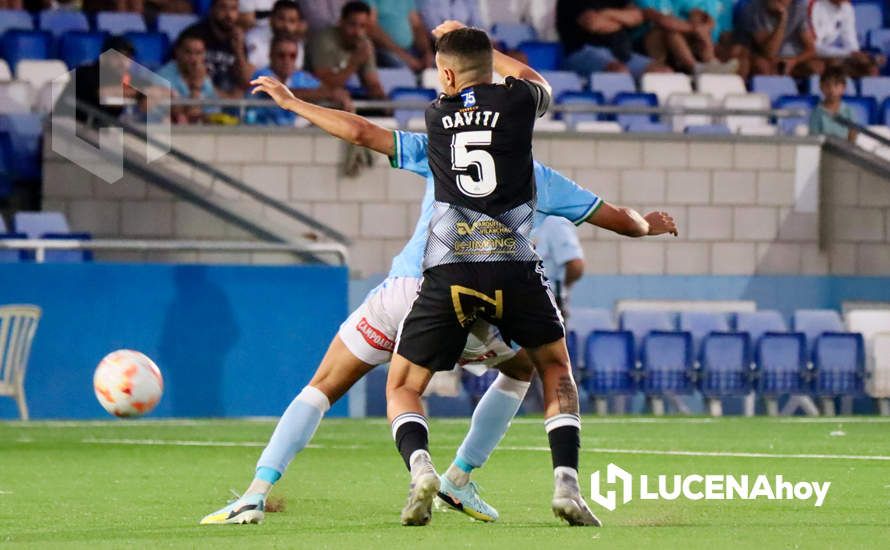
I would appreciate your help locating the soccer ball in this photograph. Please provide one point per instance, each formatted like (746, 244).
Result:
(127, 383)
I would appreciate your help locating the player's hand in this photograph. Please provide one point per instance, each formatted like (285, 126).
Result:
(280, 93)
(446, 27)
(661, 223)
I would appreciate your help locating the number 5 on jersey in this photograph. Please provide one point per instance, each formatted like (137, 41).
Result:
(462, 159)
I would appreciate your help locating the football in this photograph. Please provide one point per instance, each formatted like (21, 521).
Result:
(127, 383)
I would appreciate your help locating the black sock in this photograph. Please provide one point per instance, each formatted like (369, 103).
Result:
(411, 434)
(565, 442)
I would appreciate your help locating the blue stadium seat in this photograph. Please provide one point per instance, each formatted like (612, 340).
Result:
(642, 322)
(477, 385)
(79, 48)
(635, 99)
(563, 81)
(877, 87)
(581, 322)
(869, 17)
(774, 86)
(440, 406)
(35, 224)
(708, 130)
(399, 77)
(7, 170)
(172, 24)
(543, 56)
(201, 7)
(610, 363)
(781, 364)
(116, 22)
(19, 44)
(884, 115)
(58, 22)
(12, 256)
(667, 363)
(572, 348)
(25, 131)
(864, 109)
(839, 362)
(578, 98)
(725, 365)
(757, 323)
(410, 94)
(15, 19)
(702, 323)
(879, 39)
(68, 256)
(151, 48)
(612, 84)
(802, 102)
(648, 127)
(513, 34)
(813, 322)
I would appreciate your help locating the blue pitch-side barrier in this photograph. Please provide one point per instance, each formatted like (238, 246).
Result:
(230, 340)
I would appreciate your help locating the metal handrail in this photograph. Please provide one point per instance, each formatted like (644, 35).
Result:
(861, 129)
(40, 246)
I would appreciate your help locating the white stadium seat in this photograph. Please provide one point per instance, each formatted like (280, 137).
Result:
(690, 100)
(47, 97)
(664, 85)
(40, 71)
(429, 78)
(5, 73)
(16, 96)
(874, 325)
(598, 127)
(878, 384)
(753, 102)
(549, 125)
(720, 85)
(764, 130)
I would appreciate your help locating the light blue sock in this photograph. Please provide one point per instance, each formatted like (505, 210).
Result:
(490, 421)
(294, 430)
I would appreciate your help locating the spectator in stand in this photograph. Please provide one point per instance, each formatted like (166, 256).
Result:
(283, 66)
(833, 84)
(718, 15)
(676, 38)
(400, 36)
(434, 12)
(254, 13)
(337, 53)
(226, 53)
(188, 78)
(12, 5)
(321, 14)
(286, 22)
(779, 36)
(834, 24)
(103, 85)
(597, 36)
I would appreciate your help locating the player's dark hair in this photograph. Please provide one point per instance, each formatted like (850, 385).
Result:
(833, 75)
(287, 5)
(472, 46)
(355, 6)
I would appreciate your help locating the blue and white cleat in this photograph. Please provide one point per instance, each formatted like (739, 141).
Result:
(246, 509)
(466, 499)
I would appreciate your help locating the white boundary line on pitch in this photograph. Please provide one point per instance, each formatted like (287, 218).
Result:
(730, 454)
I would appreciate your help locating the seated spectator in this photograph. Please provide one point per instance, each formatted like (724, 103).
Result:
(399, 35)
(337, 53)
(226, 54)
(679, 40)
(434, 12)
(834, 24)
(718, 15)
(286, 22)
(253, 13)
(188, 78)
(833, 84)
(596, 36)
(321, 14)
(283, 66)
(12, 5)
(779, 36)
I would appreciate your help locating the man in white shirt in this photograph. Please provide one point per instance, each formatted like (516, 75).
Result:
(834, 24)
(287, 22)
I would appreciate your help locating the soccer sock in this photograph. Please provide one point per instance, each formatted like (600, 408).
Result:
(293, 432)
(564, 434)
(411, 434)
(490, 421)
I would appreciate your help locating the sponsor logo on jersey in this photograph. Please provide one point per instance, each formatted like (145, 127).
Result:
(486, 246)
(484, 227)
(374, 337)
(469, 98)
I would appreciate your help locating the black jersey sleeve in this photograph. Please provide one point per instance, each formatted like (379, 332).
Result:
(540, 95)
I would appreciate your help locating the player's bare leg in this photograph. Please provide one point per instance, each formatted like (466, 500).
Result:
(563, 424)
(404, 386)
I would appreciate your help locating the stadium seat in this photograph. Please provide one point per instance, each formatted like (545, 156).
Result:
(701, 323)
(25, 131)
(708, 130)
(774, 86)
(878, 384)
(720, 85)
(748, 102)
(598, 127)
(765, 130)
(68, 256)
(584, 320)
(877, 87)
(663, 85)
(864, 109)
(475, 386)
(648, 127)
(410, 94)
(35, 224)
(59, 22)
(634, 99)
(666, 359)
(804, 103)
(5, 72)
(9, 255)
(642, 322)
(725, 365)
(884, 113)
(513, 34)
(18, 45)
(563, 81)
(813, 322)
(38, 72)
(690, 101)
(172, 24)
(612, 84)
(15, 20)
(757, 323)
(839, 362)
(543, 56)
(201, 7)
(16, 97)
(815, 90)
(114, 22)
(781, 364)
(79, 48)
(401, 77)
(151, 48)
(429, 78)
(578, 98)
(7, 174)
(610, 364)
(868, 322)
(869, 17)
(879, 39)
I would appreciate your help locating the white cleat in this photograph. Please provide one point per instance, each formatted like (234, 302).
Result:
(423, 489)
(568, 503)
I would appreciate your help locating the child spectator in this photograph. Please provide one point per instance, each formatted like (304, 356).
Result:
(833, 84)
(834, 24)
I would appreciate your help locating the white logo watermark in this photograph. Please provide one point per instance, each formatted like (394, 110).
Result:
(702, 487)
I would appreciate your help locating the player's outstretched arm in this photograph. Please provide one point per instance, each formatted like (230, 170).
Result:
(629, 222)
(341, 124)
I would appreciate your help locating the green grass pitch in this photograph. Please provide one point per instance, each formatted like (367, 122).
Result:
(148, 483)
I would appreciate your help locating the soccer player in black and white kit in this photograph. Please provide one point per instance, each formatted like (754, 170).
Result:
(479, 262)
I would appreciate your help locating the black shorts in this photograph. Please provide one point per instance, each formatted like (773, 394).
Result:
(513, 296)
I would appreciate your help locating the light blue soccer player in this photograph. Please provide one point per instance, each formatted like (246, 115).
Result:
(367, 338)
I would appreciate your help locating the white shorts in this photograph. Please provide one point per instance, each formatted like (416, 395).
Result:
(370, 331)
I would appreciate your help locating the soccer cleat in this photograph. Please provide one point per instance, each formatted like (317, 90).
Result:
(466, 499)
(568, 503)
(424, 486)
(246, 509)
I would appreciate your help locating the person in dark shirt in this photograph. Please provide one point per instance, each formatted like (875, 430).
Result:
(227, 63)
(103, 85)
(597, 36)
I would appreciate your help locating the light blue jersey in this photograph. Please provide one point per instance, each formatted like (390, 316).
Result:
(557, 196)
